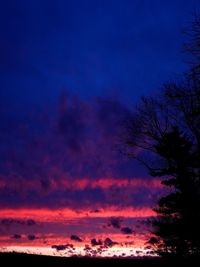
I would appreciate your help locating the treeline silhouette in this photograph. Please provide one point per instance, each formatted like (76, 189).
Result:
(164, 135)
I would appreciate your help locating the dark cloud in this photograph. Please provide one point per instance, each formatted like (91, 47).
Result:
(93, 252)
(139, 252)
(87, 248)
(95, 242)
(95, 211)
(16, 236)
(10, 222)
(31, 237)
(59, 247)
(70, 247)
(76, 238)
(126, 230)
(109, 243)
(115, 222)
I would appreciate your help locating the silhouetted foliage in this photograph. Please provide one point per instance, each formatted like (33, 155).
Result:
(178, 212)
(164, 135)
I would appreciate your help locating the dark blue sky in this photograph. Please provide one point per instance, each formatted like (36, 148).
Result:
(126, 48)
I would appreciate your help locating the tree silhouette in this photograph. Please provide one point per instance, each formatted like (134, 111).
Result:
(164, 135)
(166, 141)
(178, 218)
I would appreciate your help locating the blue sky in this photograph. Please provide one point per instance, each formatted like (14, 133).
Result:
(124, 48)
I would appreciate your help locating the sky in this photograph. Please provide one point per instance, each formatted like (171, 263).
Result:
(70, 75)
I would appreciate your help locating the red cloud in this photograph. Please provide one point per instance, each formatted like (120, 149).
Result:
(83, 183)
(49, 215)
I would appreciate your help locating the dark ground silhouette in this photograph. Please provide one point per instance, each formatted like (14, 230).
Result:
(18, 259)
